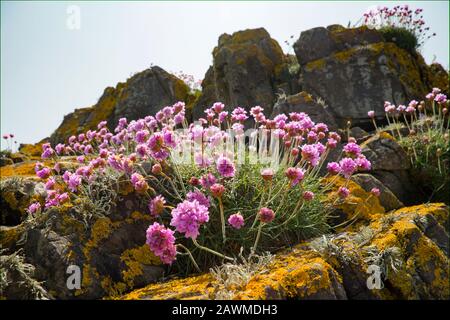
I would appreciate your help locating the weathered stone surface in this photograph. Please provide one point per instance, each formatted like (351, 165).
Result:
(355, 71)
(304, 102)
(321, 42)
(247, 68)
(387, 199)
(110, 251)
(413, 265)
(143, 94)
(391, 166)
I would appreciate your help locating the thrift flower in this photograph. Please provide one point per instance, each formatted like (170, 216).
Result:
(266, 215)
(348, 166)
(308, 195)
(236, 220)
(200, 197)
(217, 190)
(375, 191)
(161, 242)
(343, 192)
(225, 167)
(188, 216)
(35, 207)
(156, 205)
(139, 183)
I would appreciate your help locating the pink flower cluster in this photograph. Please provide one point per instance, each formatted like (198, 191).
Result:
(400, 16)
(162, 242)
(188, 216)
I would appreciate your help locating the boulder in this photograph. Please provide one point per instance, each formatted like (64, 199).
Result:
(304, 102)
(355, 71)
(387, 199)
(110, 251)
(248, 69)
(391, 166)
(143, 94)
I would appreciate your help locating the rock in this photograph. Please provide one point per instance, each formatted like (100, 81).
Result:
(109, 250)
(412, 264)
(143, 94)
(15, 196)
(387, 199)
(4, 161)
(391, 166)
(318, 43)
(248, 69)
(355, 71)
(304, 102)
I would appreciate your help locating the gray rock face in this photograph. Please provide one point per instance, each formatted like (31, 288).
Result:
(147, 92)
(110, 251)
(355, 71)
(304, 102)
(143, 94)
(391, 165)
(318, 43)
(248, 68)
(387, 199)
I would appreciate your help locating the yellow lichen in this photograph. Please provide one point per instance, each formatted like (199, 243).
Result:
(134, 259)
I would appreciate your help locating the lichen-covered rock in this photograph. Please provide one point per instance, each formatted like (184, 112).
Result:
(355, 71)
(407, 246)
(387, 199)
(109, 250)
(247, 68)
(304, 102)
(391, 165)
(318, 43)
(143, 94)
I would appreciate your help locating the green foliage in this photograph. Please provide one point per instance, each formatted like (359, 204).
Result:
(430, 155)
(402, 37)
(295, 218)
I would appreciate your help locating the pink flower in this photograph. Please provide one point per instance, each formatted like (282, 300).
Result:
(225, 167)
(44, 173)
(156, 169)
(199, 196)
(156, 205)
(139, 183)
(267, 174)
(333, 168)
(343, 192)
(34, 208)
(308, 195)
(74, 182)
(266, 215)
(310, 153)
(236, 220)
(371, 114)
(50, 184)
(375, 191)
(188, 216)
(363, 163)
(295, 175)
(48, 152)
(352, 149)
(161, 242)
(348, 166)
(217, 190)
(207, 180)
(331, 143)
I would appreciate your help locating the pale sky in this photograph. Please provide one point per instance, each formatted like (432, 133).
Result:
(48, 70)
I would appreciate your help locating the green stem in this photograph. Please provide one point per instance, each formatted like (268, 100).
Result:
(211, 251)
(190, 256)
(222, 219)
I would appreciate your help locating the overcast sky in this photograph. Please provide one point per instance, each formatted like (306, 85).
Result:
(49, 69)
